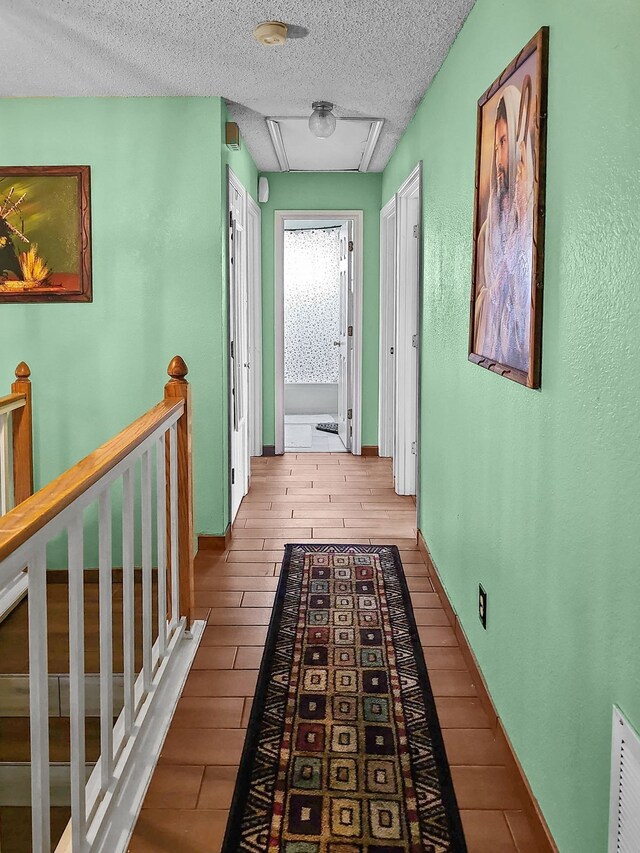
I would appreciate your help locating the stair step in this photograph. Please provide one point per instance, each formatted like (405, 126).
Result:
(14, 695)
(15, 827)
(15, 783)
(14, 629)
(15, 744)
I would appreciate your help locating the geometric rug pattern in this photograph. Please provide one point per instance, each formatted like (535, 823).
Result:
(344, 752)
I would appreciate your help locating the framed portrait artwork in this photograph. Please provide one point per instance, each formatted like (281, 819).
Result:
(505, 330)
(45, 234)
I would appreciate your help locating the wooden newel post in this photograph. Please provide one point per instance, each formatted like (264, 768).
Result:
(178, 388)
(22, 429)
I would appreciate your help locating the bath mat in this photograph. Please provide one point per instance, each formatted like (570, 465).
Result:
(333, 428)
(298, 435)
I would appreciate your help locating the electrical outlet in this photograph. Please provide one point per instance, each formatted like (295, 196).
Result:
(482, 606)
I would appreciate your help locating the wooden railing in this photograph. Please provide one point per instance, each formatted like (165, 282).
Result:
(16, 468)
(15, 420)
(158, 446)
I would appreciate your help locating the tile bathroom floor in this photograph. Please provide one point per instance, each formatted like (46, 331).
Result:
(301, 435)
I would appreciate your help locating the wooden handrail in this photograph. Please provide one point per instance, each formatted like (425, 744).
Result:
(31, 515)
(22, 426)
(10, 402)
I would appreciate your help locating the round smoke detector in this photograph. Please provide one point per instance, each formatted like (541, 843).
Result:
(271, 33)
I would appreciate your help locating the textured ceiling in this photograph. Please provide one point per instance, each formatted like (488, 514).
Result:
(368, 58)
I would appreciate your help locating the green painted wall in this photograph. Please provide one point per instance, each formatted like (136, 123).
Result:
(159, 255)
(537, 494)
(326, 191)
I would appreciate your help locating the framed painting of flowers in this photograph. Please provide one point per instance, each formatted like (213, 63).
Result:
(45, 234)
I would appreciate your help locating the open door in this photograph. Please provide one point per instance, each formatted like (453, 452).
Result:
(348, 335)
(407, 331)
(345, 339)
(388, 264)
(254, 266)
(238, 344)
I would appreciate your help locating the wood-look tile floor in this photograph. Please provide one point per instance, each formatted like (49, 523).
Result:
(320, 498)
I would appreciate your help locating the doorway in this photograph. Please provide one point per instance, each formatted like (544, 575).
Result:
(318, 334)
(400, 311)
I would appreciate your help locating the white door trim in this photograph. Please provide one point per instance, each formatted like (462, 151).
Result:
(254, 270)
(345, 356)
(238, 449)
(387, 328)
(408, 328)
(357, 217)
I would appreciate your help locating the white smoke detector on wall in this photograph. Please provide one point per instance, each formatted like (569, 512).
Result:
(271, 33)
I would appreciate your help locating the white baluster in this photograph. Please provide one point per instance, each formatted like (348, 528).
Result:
(173, 498)
(39, 702)
(5, 504)
(161, 525)
(147, 612)
(76, 683)
(106, 642)
(128, 598)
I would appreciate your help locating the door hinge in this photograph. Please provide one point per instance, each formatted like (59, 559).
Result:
(351, 245)
(391, 350)
(414, 447)
(350, 331)
(349, 414)
(231, 219)
(416, 230)
(232, 353)
(233, 476)
(414, 341)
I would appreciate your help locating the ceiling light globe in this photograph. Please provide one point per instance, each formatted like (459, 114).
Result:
(322, 121)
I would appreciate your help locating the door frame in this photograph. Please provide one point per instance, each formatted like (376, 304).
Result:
(388, 269)
(357, 217)
(233, 182)
(254, 271)
(408, 323)
(346, 273)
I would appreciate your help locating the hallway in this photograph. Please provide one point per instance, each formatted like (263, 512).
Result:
(336, 499)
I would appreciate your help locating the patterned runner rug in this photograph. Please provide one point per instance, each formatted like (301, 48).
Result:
(344, 752)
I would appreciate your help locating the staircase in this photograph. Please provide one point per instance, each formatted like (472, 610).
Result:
(16, 467)
(15, 750)
(93, 660)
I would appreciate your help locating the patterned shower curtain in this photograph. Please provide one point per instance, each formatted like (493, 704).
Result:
(311, 305)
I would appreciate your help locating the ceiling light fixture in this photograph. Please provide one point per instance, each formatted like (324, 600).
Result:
(322, 121)
(271, 33)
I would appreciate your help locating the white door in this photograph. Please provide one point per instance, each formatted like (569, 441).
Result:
(388, 262)
(344, 339)
(254, 264)
(406, 348)
(238, 345)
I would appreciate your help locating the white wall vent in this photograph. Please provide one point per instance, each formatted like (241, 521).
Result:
(624, 812)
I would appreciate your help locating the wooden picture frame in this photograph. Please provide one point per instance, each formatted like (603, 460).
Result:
(505, 325)
(45, 234)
